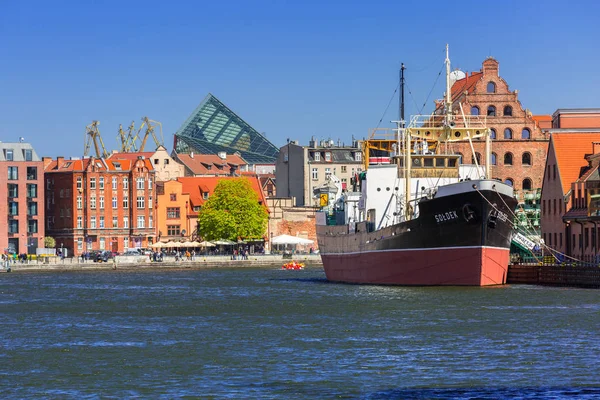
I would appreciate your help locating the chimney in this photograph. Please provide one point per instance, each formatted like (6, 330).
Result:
(595, 147)
(60, 161)
(192, 154)
(222, 155)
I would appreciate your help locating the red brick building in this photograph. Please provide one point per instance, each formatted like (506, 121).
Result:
(100, 204)
(23, 172)
(519, 140)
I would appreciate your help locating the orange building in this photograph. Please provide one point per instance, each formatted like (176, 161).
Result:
(172, 206)
(100, 204)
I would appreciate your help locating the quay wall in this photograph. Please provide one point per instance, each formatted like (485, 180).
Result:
(585, 276)
(143, 262)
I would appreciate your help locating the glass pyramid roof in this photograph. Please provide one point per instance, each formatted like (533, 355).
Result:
(213, 127)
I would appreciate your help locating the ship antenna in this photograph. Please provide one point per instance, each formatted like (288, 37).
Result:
(448, 94)
(402, 120)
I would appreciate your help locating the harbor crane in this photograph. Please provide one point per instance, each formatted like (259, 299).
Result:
(127, 139)
(150, 131)
(92, 134)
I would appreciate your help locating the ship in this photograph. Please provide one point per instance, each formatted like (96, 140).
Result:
(418, 215)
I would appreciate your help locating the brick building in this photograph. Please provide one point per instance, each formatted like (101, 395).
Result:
(23, 172)
(100, 204)
(519, 140)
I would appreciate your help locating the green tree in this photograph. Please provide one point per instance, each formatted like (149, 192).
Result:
(49, 242)
(233, 212)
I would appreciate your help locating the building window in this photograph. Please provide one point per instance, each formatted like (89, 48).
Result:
(141, 202)
(526, 159)
(327, 156)
(125, 222)
(79, 182)
(491, 87)
(150, 202)
(327, 172)
(114, 183)
(125, 183)
(173, 197)
(28, 154)
(494, 159)
(93, 222)
(79, 222)
(205, 195)
(150, 222)
(114, 202)
(173, 213)
(32, 226)
(93, 202)
(476, 158)
(508, 133)
(358, 156)
(474, 110)
(101, 202)
(492, 133)
(13, 226)
(101, 222)
(491, 111)
(102, 243)
(508, 159)
(526, 134)
(139, 183)
(8, 155)
(509, 181)
(32, 208)
(508, 111)
(92, 183)
(317, 156)
(101, 182)
(13, 173)
(141, 221)
(315, 174)
(13, 208)
(149, 183)
(526, 184)
(79, 203)
(79, 244)
(125, 202)
(31, 173)
(173, 230)
(125, 242)
(115, 222)
(13, 190)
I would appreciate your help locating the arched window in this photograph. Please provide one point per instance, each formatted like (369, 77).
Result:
(509, 182)
(492, 133)
(526, 184)
(508, 111)
(491, 87)
(494, 159)
(478, 159)
(526, 159)
(474, 110)
(491, 111)
(507, 133)
(526, 134)
(460, 157)
(508, 159)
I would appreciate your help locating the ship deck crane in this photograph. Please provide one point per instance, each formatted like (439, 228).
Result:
(92, 134)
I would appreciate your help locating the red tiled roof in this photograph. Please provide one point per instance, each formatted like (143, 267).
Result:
(570, 149)
(198, 163)
(131, 156)
(465, 84)
(103, 165)
(197, 185)
(540, 118)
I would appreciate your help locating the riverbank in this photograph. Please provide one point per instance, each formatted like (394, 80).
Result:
(143, 262)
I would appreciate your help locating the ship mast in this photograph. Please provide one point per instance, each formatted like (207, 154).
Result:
(448, 101)
(407, 147)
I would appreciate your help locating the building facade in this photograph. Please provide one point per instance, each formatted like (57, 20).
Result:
(100, 204)
(23, 172)
(173, 212)
(300, 169)
(165, 167)
(519, 143)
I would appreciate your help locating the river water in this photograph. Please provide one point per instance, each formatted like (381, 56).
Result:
(270, 333)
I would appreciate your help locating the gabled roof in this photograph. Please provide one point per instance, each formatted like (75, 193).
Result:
(199, 163)
(198, 185)
(570, 149)
(109, 165)
(465, 84)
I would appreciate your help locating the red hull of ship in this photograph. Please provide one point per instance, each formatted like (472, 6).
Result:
(456, 266)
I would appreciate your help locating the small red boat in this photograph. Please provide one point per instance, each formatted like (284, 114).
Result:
(293, 265)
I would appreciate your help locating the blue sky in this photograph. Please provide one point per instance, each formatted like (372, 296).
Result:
(292, 69)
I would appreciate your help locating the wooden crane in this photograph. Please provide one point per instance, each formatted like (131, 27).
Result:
(92, 134)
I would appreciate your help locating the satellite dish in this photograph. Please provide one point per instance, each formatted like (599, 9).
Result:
(456, 75)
